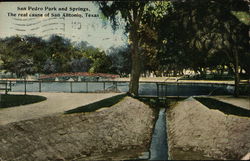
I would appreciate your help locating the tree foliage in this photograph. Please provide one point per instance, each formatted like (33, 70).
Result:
(207, 35)
(20, 56)
(120, 58)
(205, 30)
(29, 55)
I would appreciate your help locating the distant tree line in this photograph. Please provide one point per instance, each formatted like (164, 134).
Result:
(29, 55)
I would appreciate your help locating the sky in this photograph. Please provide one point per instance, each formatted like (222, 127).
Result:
(78, 21)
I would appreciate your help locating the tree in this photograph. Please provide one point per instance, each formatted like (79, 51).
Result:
(25, 66)
(19, 54)
(29, 55)
(209, 32)
(120, 59)
(60, 52)
(49, 67)
(80, 64)
(133, 13)
(91, 59)
(37, 51)
(100, 61)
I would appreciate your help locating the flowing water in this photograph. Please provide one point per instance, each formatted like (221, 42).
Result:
(158, 147)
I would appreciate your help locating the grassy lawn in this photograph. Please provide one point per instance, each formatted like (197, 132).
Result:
(108, 102)
(7, 100)
(223, 107)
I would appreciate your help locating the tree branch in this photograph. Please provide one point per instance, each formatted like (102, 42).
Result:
(141, 9)
(130, 17)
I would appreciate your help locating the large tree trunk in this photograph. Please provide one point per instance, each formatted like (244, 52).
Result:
(135, 20)
(136, 64)
(236, 75)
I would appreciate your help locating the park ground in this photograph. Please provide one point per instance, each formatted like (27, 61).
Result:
(55, 103)
(61, 102)
(191, 125)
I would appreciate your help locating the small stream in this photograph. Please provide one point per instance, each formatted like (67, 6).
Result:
(159, 149)
(159, 146)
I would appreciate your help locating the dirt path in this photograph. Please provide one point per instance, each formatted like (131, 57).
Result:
(55, 103)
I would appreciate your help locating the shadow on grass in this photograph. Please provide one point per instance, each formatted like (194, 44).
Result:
(223, 107)
(97, 105)
(7, 100)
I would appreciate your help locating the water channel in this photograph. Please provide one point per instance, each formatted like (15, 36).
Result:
(158, 146)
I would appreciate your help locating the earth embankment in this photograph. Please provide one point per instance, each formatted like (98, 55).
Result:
(193, 126)
(126, 125)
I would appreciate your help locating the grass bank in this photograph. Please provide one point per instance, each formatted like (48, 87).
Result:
(7, 100)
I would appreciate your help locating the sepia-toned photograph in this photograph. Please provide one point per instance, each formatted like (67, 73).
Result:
(124, 80)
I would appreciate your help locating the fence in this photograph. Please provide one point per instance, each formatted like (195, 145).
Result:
(5, 86)
(62, 86)
(149, 89)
